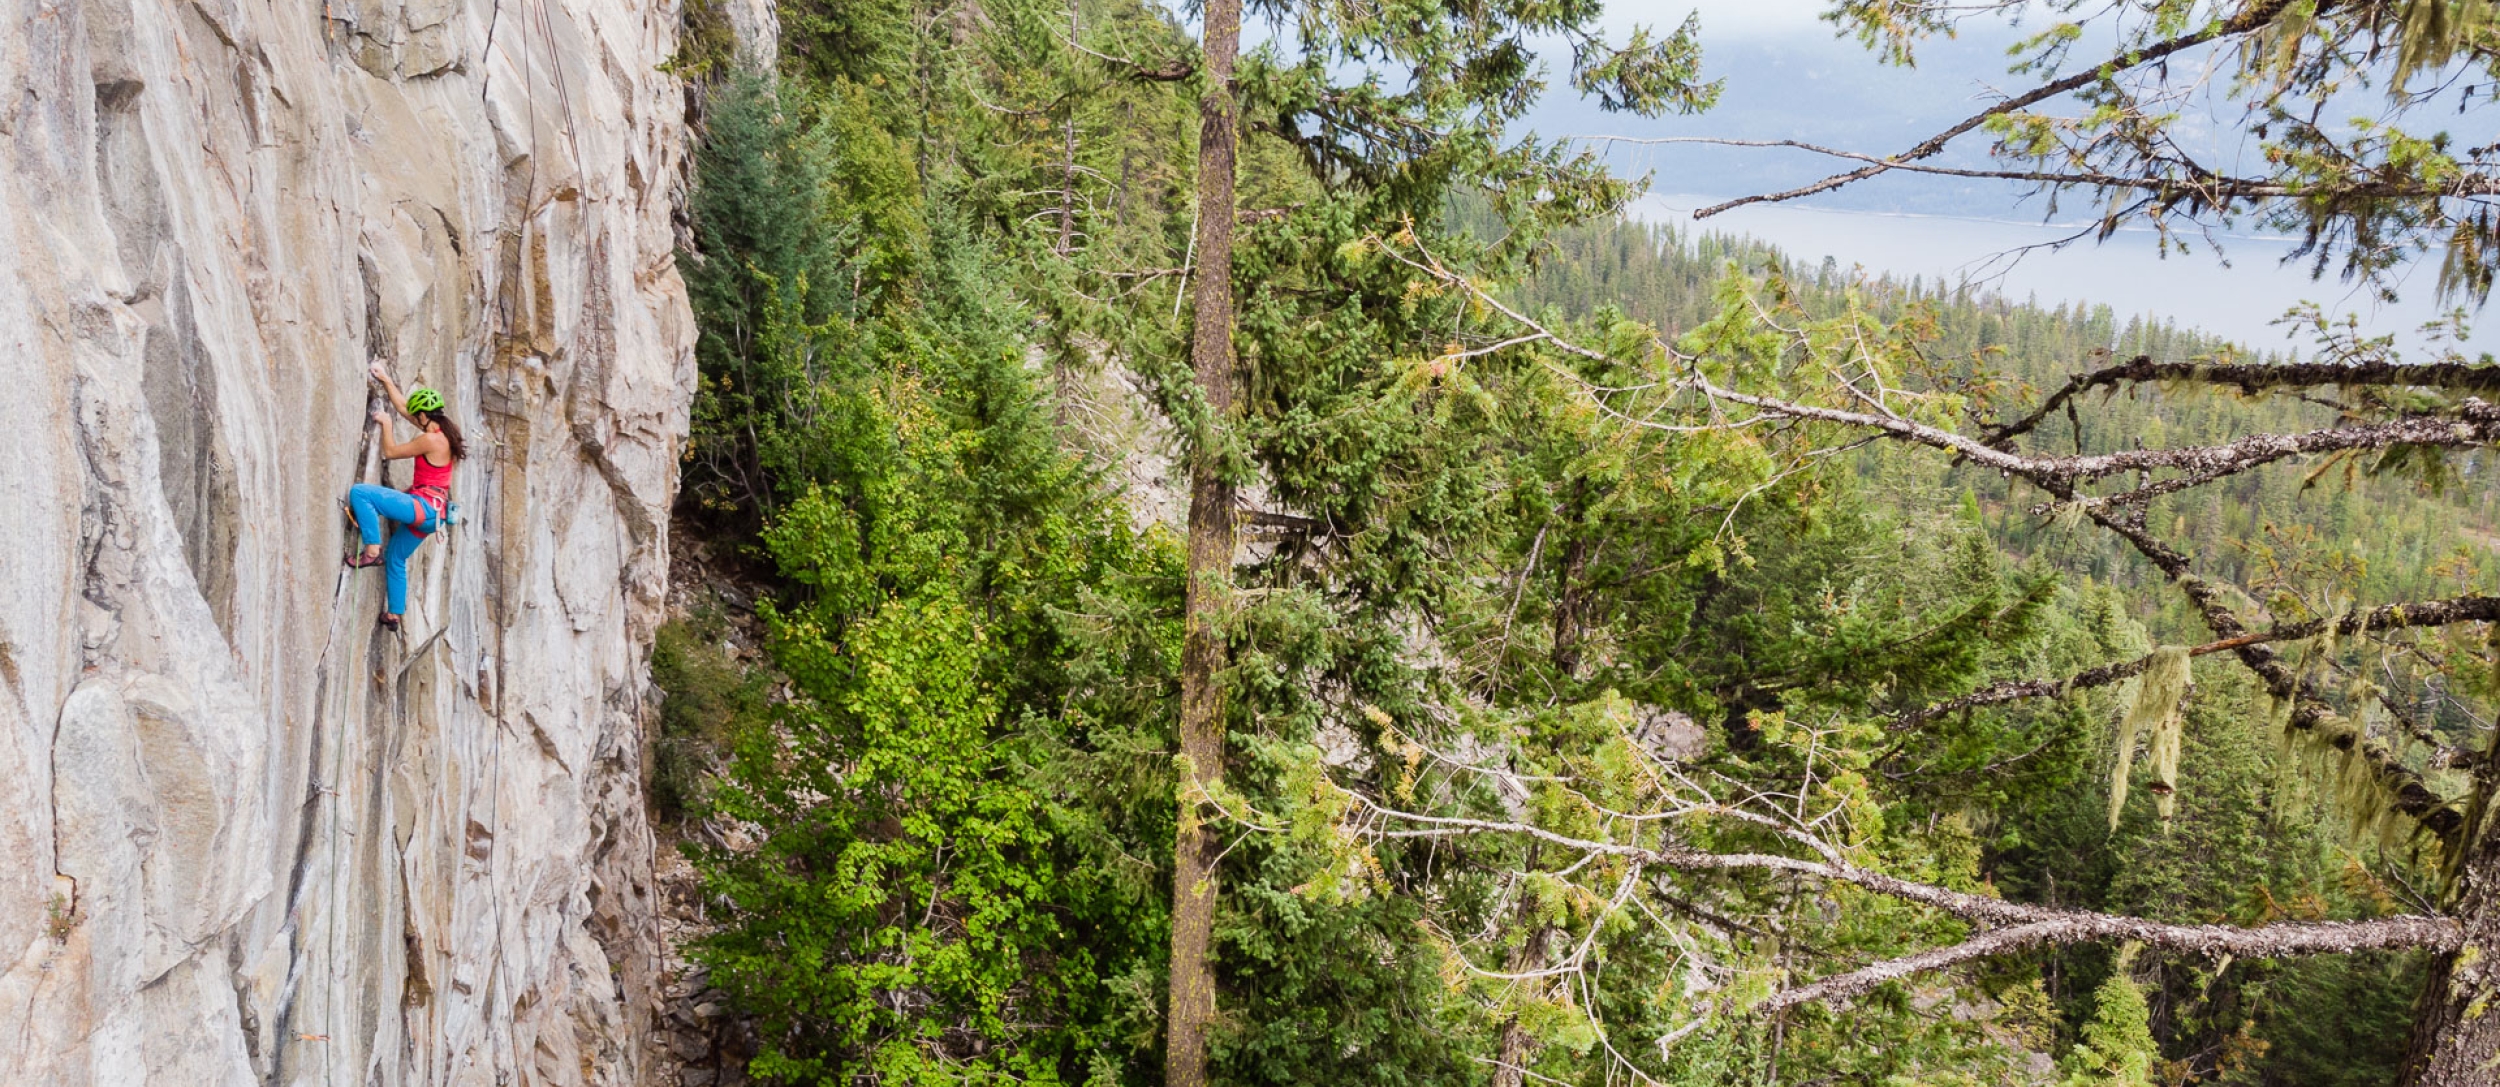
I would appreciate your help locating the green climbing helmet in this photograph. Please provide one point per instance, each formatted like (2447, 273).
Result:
(424, 399)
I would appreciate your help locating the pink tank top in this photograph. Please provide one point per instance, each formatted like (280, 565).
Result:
(430, 475)
(430, 485)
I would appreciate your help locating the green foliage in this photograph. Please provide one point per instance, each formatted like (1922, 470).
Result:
(935, 233)
(853, 41)
(773, 258)
(937, 886)
(2335, 1023)
(2116, 1049)
(706, 42)
(922, 901)
(708, 697)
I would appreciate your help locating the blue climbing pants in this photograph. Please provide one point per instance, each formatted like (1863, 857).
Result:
(375, 504)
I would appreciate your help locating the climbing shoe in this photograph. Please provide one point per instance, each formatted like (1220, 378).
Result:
(360, 560)
(388, 622)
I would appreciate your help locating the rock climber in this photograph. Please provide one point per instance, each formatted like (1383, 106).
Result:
(419, 510)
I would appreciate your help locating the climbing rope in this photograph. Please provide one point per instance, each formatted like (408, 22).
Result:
(390, 696)
(555, 71)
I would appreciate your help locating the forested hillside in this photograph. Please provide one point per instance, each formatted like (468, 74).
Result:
(2407, 542)
(2322, 534)
(1591, 654)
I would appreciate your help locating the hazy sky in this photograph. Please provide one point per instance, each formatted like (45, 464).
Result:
(1719, 18)
(1788, 75)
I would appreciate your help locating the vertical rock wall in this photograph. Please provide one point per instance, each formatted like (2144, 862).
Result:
(246, 838)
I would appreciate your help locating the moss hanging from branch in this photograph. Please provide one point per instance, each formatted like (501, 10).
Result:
(2155, 712)
(2164, 749)
(2337, 754)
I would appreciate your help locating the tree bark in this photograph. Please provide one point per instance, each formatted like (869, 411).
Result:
(1569, 600)
(1067, 173)
(2456, 1036)
(1210, 562)
(1511, 1068)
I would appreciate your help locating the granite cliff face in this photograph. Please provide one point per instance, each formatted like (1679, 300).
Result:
(245, 837)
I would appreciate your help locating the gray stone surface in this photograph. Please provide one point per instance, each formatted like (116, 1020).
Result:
(244, 837)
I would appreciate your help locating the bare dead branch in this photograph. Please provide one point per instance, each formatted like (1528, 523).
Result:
(2470, 608)
(1169, 72)
(1271, 522)
(2054, 924)
(2249, 18)
(2477, 423)
(2192, 182)
(2261, 942)
(2249, 379)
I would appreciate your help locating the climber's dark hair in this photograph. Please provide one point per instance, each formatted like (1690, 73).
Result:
(451, 433)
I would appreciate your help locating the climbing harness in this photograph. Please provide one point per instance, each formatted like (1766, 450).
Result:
(437, 503)
(442, 512)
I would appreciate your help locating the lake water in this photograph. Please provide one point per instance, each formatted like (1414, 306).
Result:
(2128, 272)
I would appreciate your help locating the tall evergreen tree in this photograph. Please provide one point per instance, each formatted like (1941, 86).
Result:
(1371, 153)
(1211, 544)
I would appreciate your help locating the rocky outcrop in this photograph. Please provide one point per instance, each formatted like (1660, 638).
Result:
(245, 837)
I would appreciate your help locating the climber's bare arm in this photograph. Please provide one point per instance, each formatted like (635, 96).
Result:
(399, 400)
(425, 442)
(428, 442)
(392, 450)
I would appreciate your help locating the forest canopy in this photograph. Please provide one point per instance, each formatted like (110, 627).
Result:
(1266, 575)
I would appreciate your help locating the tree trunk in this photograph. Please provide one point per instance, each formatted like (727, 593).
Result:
(1067, 174)
(1570, 600)
(2456, 1031)
(1210, 564)
(1128, 155)
(1511, 1070)
(1568, 605)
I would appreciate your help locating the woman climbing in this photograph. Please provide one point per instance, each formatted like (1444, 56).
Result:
(419, 510)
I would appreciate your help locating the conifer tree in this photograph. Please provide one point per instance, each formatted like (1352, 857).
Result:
(1376, 154)
(2116, 1049)
(1211, 543)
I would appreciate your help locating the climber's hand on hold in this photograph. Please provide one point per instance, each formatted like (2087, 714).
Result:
(379, 374)
(381, 419)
